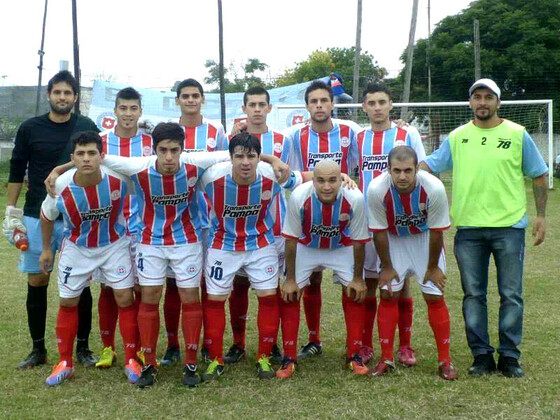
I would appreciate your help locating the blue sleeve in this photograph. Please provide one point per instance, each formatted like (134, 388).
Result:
(440, 160)
(533, 163)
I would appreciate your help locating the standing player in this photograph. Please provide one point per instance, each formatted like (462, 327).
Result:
(241, 237)
(321, 139)
(256, 105)
(41, 143)
(374, 145)
(326, 227)
(124, 140)
(201, 134)
(91, 202)
(408, 213)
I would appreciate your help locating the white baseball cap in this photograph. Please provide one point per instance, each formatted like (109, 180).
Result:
(485, 83)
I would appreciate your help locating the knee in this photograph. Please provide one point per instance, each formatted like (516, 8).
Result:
(151, 294)
(37, 280)
(189, 295)
(123, 297)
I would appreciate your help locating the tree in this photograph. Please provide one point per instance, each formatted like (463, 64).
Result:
(520, 50)
(242, 76)
(339, 60)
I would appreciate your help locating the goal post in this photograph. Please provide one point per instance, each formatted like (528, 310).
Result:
(435, 120)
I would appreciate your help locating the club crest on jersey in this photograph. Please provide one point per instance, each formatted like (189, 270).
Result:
(106, 120)
(191, 269)
(147, 151)
(400, 143)
(121, 270)
(266, 195)
(269, 269)
(325, 231)
(115, 195)
(344, 217)
(211, 142)
(241, 211)
(278, 147)
(297, 116)
(374, 163)
(314, 158)
(344, 141)
(192, 181)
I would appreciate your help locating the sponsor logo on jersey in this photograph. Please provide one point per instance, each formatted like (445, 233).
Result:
(325, 231)
(170, 200)
(96, 214)
(241, 211)
(314, 158)
(193, 150)
(374, 162)
(404, 220)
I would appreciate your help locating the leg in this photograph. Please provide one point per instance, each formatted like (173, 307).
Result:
(36, 305)
(191, 322)
(83, 353)
(268, 320)
(370, 309)
(108, 314)
(354, 320)
(148, 322)
(238, 308)
(405, 354)
(172, 313)
(312, 301)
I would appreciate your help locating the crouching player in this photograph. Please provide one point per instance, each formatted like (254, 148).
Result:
(325, 227)
(408, 213)
(91, 202)
(242, 194)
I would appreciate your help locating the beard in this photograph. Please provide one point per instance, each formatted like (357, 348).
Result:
(487, 116)
(61, 110)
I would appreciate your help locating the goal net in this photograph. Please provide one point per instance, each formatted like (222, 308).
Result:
(435, 120)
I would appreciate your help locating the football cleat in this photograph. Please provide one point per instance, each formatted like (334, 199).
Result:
(406, 357)
(172, 356)
(310, 349)
(86, 357)
(142, 358)
(205, 354)
(366, 353)
(287, 369)
(276, 354)
(214, 370)
(264, 368)
(509, 366)
(356, 365)
(60, 373)
(191, 378)
(35, 358)
(147, 377)
(107, 359)
(383, 367)
(132, 370)
(447, 371)
(234, 354)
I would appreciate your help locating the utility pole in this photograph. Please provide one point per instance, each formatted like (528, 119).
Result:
(356, 84)
(409, 59)
(76, 53)
(477, 71)
(221, 65)
(41, 54)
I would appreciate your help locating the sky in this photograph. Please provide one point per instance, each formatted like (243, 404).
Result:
(151, 45)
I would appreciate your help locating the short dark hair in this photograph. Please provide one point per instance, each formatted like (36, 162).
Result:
(66, 77)
(377, 87)
(168, 131)
(316, 85)
(128, 93)
(248, 142)
(189, 83)
(81, 138)
(402, 153)
(256, 90)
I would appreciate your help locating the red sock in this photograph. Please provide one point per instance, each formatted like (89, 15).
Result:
(148, 322)
(172, 313)
(137, 301)
(128, 325)
(387, 318)
(406, 305)
(238, 307)
(108, 314)
(370, 309)
(203, 299)
(66, 330)
(438, 315)
(268, 319)
(354, 317)
(191, 321)
(289, 313)
(312, 300)
(214, 327)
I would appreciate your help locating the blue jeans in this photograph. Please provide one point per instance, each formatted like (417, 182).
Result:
(472, 250)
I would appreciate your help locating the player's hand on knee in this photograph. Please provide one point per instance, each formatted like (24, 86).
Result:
(50, 182)
(436, 276)
(348, 182)
(13, 219)
(290, 291)
(386, 277)
(357, 289)
(46, 261)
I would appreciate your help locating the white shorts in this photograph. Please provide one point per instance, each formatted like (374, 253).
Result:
(204, 239)
(370, 261)
(77, 264)
(97, 275)
(185, 262)
(280, 245)
(261, 266)
(339, 260)
(409, 255)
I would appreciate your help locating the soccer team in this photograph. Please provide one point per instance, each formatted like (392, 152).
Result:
(206, 216)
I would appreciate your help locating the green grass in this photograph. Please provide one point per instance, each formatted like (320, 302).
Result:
(322, 388)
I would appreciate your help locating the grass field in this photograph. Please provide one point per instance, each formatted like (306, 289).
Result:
(322, 387)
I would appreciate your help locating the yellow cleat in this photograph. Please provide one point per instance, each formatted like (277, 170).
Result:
(107, 359)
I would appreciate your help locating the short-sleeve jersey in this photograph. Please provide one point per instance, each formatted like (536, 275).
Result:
(242, 216)
(374, 148)
(92, 215)
(137, 146)
(169, 214)
(329, 226)
(338, 144)
(407, 214)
